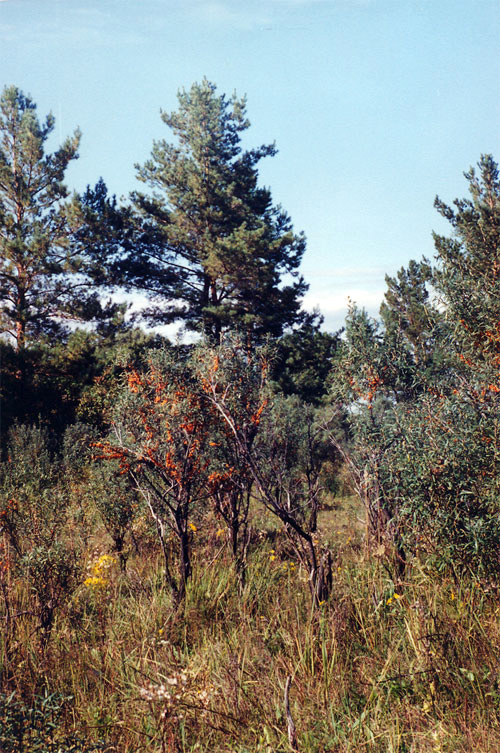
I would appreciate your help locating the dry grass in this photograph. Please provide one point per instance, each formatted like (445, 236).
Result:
(377, 670)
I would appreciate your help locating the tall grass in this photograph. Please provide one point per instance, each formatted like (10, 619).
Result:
(378, 668)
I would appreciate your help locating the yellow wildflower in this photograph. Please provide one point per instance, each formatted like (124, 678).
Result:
(95, 581)
(105, 562)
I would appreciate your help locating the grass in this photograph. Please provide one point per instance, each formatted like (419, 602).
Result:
(377, 669)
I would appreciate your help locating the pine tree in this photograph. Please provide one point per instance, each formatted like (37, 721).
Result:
(407, 307)
(469, 277)
(303, 362)
(214, 249)
(43, 278)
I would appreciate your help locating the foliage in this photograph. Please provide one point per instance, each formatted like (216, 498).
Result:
(32, 509)
(213, 248)
(106, 231)
(33, 516)
(414, 331)
(235, 383)
(159, 434)
(303, 362)
(117, 502)
(44, 272)
(108, 352)
(443, 475)
(66, 382)
(459, 420)
(188, 431)
(293, 445)
(35, 728)
(420, 394)
(52, 571)
(229, 489)
(468, 275)
(365, 384)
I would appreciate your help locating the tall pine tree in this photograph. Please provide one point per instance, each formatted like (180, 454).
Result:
(44, 267)
(214, 249)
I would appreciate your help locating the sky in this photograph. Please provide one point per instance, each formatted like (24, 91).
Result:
(376, 107)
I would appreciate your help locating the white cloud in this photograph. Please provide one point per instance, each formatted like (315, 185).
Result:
(245, 16)
(81, 26)
(332, 288)
(251, 15)
(337, 301)
(333, 304)
(368, 274)
(321, 2)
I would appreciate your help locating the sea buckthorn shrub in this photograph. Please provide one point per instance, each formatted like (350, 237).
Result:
(34, 506)
(419, 393)
(235, 382)
(159, 435)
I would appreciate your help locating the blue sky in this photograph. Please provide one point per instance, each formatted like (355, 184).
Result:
(376, 106)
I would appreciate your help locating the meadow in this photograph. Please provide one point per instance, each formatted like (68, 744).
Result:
(381, 666)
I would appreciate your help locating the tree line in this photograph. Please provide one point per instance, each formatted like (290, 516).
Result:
(206, 244)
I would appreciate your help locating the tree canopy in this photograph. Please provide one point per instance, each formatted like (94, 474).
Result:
(213, 248)
(44, 266)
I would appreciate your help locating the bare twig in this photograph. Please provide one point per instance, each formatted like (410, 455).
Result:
(292, 736)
